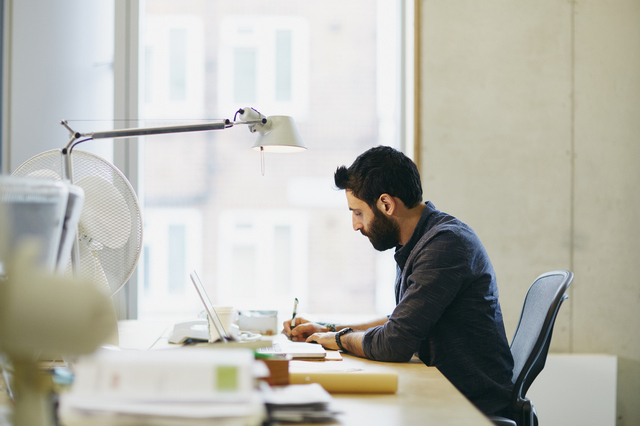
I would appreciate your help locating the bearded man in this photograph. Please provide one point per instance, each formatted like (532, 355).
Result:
(447, 311)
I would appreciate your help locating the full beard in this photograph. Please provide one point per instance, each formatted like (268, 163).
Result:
(383, 233)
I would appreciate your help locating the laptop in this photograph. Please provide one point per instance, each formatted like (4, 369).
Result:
(297, 350)
(208, 306)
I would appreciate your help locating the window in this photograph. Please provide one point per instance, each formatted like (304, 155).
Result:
(263, 257)
(178, 64)
(257, 65)
(172, 247)
(259, 241)
(172, 65)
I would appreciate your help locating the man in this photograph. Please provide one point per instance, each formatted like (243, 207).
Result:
(447, 310)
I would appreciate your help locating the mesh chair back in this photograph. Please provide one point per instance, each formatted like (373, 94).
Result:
(531, 340)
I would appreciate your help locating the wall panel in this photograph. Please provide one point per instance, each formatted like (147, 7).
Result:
(531, 134)
(607, 196)
(496, 126)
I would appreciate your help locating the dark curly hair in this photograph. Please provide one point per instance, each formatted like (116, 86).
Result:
(381, 170)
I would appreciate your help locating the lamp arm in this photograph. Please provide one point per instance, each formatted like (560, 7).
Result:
(255, 121)
(146, 131)
(125, 133)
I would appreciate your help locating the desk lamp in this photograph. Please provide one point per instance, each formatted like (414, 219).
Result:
(277, 133)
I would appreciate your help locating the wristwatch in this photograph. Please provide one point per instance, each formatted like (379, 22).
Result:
(339, 334)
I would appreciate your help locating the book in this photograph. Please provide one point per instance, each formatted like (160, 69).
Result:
(338, 379)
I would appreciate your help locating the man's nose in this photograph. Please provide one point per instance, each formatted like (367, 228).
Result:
(357, 225)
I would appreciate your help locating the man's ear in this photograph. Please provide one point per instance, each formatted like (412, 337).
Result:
(386, 204)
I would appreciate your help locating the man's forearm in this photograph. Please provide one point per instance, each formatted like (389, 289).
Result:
(363, 326)
(352, 342)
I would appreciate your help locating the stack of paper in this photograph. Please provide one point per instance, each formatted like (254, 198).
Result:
(162, 386)
(298, 404)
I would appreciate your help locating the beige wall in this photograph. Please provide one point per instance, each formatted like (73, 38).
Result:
(531, 134)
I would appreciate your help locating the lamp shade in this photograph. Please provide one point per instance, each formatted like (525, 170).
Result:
(279, 134)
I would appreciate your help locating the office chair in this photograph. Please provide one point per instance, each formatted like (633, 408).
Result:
(530, 343)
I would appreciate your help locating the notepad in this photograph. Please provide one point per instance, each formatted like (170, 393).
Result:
(297, 350)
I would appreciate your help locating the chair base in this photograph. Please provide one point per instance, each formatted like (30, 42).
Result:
(502, 421)
(525, 415)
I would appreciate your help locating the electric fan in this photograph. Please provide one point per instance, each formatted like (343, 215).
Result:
(109, 237)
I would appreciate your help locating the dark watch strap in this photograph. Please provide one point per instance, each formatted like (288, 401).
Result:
(339, 334)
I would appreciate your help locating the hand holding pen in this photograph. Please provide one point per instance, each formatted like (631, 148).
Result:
(304, 328)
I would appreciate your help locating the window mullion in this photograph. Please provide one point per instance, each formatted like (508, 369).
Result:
(126, 155)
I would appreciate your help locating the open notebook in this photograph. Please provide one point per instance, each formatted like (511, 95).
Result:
(297, 350)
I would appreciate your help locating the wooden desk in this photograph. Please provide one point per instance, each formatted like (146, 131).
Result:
(424, 397)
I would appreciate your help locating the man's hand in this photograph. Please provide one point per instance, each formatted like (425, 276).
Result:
(303, 329)
(327, 340)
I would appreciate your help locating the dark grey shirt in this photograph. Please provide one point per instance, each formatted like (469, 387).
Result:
(447, 311)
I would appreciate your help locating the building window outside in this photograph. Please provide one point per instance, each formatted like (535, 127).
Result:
(259, 241)
(262, 67)
(263, 257)
(178, 64)
(176, 262)
(244, 71)
(172, 248)
(284, 59)
(172, 65)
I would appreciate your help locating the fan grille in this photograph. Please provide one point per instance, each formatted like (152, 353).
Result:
(110, 227)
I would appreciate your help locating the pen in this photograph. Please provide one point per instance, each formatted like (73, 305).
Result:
(295, 310)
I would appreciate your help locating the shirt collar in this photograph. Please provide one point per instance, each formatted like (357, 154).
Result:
(403, 252)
